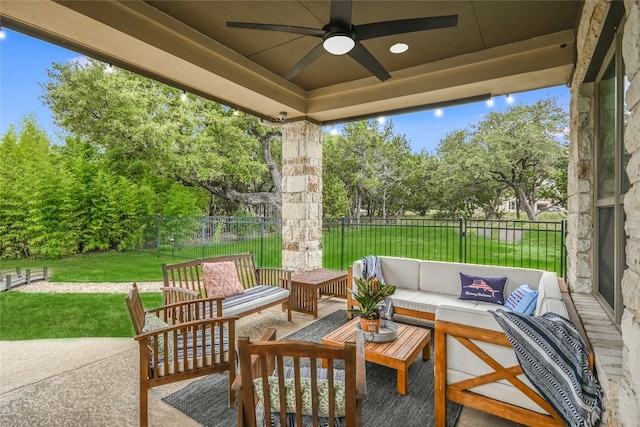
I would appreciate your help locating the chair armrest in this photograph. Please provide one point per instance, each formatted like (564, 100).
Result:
(184, 328)
(361, 367)
(269, 335)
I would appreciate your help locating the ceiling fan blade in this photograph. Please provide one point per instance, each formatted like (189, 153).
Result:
(388, 28)
(341, 12)
(280, 28)
(366, 59)
(304, 62)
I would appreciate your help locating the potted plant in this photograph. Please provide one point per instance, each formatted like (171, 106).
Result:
(370, 293)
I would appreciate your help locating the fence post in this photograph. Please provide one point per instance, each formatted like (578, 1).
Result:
(45, 273)
(342, 220)
(203, 230)
(461, 236)
(158, 228)
(262, 227)
(563, 249)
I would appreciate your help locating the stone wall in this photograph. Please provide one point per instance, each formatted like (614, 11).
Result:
(622, 398)
(301, 196)
(629, 393)
(580, 235)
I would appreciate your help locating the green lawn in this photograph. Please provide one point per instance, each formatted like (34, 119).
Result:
(25, 316)
(98, 267)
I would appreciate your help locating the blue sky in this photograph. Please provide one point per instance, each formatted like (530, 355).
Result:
(24, 62)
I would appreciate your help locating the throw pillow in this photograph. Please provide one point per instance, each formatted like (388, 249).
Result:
(221, 279)
(153, 323)
(522, 300)
(305, 386)
(486, 289)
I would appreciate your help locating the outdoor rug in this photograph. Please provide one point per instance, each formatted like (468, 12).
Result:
(205, 399)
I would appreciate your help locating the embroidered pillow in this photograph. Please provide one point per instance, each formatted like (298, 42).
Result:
(221, 279)
(522, 300)
(305, 386)
(486, 289)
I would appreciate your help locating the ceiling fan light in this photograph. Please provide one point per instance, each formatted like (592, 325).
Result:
(338, 44)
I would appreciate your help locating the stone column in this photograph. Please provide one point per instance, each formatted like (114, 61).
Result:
(629, 392)
(301, 196)
(580, 184)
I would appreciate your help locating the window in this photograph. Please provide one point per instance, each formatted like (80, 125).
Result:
(612, 181)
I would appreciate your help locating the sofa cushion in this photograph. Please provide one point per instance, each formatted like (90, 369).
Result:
(443, 277)
(221, 279)
(402, 273)
(252, 299)
(427, 302)
(554, 306)
(522, 300)
(487, 289)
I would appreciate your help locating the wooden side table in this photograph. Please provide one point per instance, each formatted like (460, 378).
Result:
(308, 285)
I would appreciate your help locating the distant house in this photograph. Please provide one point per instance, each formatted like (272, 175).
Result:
(540, 206)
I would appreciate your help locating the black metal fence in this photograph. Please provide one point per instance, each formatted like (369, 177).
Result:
(531, 244)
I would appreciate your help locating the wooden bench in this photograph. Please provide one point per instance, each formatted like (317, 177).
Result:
(264, 287)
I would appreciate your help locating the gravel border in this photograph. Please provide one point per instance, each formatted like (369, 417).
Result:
(100, 287)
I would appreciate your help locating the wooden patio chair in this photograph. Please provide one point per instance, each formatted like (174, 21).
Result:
(177, 342)
(306, 392)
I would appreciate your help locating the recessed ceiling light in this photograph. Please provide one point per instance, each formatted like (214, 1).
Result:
(399, 48)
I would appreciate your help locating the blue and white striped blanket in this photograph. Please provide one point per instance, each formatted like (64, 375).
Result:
(554, 358)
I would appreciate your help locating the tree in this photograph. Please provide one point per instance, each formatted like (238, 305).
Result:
(369, 161)
(421, 183)
(464, 181)
(143, 127)
(35, 218)
(522, 147)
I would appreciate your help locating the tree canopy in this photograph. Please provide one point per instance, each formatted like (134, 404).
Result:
(141, 126)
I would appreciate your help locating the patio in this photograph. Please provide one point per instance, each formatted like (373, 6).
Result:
(193, 51)
(99, 376)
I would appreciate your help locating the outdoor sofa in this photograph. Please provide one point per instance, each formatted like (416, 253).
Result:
(475, 364)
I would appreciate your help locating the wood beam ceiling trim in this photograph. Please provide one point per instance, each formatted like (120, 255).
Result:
(487, 65)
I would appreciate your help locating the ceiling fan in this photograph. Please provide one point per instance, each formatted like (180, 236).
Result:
(341, 37)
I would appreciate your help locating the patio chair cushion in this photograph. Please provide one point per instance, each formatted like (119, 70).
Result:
(486, 289)
(204, 350)
(305, 384)
(221, 279)
(153, 323)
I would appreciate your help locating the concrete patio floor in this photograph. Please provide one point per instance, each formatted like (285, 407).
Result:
(94, 381)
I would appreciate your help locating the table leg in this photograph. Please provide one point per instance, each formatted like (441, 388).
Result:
(403, 381)
(426, 351)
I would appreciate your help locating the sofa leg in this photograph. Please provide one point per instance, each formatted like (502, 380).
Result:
(440, 369)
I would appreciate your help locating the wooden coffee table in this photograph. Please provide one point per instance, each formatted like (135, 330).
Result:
(397, 354)
(306, 286)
